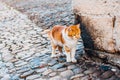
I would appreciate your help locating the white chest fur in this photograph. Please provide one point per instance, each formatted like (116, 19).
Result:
(69, 42)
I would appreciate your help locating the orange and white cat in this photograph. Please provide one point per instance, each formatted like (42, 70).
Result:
(67, 38)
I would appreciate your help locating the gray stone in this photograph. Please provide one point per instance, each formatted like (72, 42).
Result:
(107, 74)
(76, 79)
(7, 56)
(28, 59)
(41, 70)
(47, 72)
(0, 56)
(85, 78)
(71, 67)
(35, 62)
(12, 70)
(23, 69)
(56, 78)
(62, 69)
(18, 62)
(21, 64)
(40, 79)
(61, 59)
(57, 66)
(43, 64)
(23, 75)
(76, 76)
(15, 77)
(51, 63)
(77, 70)
(67, 74)
(89, 71)
(52, 74)
(32, 77)
(97, 73)
(14, 60)
(113, 78)
(6, 77)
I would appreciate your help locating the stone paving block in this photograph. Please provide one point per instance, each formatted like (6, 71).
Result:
(51, 63)
(47, 72)
(28, 59)
(66, 74)
(62, 69)
(57, 66)
(107, 74)
(15, 77)
(23, 75)
(6, 77)
(21, 64)
(9, 65)
(14, 60)
(56, 78)
(88, 71)
(61, 59)
(71, 67)
(77, 76)
(32, 77)
(85, 78)
(18, 62)
(113, 78)
(40, 79)
(77, 70)
(35, 62)
(52, 74)
(97, 73)
(23, 70)
(22, 67)
(12, 70)
(40, 70)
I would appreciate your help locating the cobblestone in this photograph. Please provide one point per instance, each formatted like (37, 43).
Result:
(47, 72)
(56, 78)
(24, 75)
(107, 74)
(52, 63)
(32, 77)
(41, 70)
(25, 52)
(67, 74)
(62, 69)
(71, 67)
(52, 74)
(76, 76)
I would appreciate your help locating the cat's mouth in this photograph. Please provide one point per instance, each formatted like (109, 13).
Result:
(76, 38)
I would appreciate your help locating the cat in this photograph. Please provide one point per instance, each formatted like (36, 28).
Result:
(65, 37)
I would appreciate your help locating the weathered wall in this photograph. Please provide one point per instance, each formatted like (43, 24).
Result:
(101, 19)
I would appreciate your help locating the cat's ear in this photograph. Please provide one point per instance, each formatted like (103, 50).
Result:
(78, 25)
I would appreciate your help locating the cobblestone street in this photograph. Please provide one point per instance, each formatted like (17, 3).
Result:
(25, 52)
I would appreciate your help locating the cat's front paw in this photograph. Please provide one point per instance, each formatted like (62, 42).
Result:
(68, 60)
(53, 55)
(74, 60)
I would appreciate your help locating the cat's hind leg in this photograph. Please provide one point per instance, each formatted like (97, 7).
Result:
(53, 50)
(60, 51)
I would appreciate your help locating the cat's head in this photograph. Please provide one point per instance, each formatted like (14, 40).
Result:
(74, 31)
